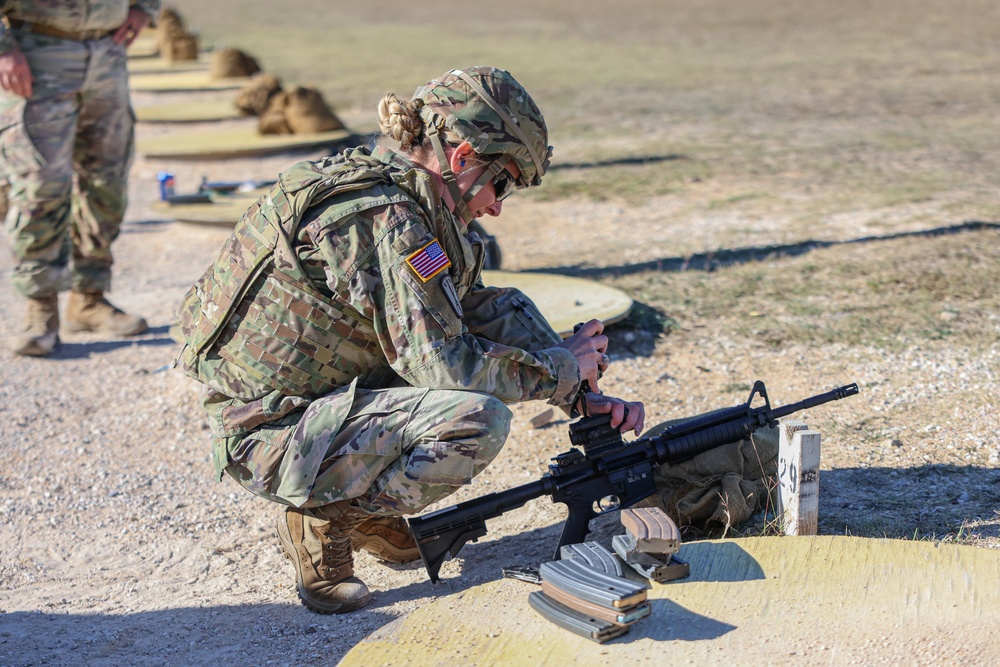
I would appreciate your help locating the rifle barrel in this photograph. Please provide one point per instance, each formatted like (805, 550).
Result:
(819, 399)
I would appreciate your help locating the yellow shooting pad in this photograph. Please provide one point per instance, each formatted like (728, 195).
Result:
(188, 112)
(144, 45)
(156, 65)
(565, 301)
(759, 601)
(225, 211)
(233, 142)
(168, 82)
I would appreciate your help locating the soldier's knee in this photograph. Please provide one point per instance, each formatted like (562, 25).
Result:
(496, 413)
(495, 417)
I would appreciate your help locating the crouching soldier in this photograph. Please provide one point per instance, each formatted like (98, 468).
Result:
(356, 368)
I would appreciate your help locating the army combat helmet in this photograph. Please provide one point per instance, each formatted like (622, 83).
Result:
(488, 108)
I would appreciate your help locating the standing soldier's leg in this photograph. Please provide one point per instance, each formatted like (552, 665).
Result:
(397, 451)
(36, 140)
(103, 155)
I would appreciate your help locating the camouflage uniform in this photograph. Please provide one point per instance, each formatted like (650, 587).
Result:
(67, 150)
(336, 367)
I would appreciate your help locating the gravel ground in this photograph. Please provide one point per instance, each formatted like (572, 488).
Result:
(118, 548)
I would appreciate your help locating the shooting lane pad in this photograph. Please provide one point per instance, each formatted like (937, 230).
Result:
(234, 142)
(144, 45)
(754, 601)
(223, 212)
(188, 112)
(155, 65)
(565, 301)
(172, 82)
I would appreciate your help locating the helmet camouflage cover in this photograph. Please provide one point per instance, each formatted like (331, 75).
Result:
(488, 108)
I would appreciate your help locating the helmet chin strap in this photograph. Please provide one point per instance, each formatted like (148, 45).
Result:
(448, 176)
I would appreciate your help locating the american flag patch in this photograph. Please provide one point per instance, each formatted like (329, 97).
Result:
(429, 261)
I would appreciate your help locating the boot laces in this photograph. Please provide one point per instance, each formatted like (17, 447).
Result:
(337, 549)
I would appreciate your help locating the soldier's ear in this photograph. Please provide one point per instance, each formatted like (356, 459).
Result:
(462, 153)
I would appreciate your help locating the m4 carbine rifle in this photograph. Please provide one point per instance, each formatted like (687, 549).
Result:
(609, 473)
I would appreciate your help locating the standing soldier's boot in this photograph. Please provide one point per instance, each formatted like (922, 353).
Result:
(318, 542)
(388, 538)
(90, 311)
(41, 328)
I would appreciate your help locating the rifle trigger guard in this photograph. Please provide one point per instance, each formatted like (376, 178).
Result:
(607, 504)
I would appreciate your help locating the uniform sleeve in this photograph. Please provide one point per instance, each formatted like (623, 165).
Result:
(506, 315)
(422, 332)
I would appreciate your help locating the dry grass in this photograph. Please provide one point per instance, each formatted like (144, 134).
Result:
(891, 293)
(813, 107)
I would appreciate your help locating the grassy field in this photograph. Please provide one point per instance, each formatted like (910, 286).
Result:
(799, 109)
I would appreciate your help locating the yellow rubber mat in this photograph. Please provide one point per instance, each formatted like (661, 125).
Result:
(156, 65)
(233, 142)
(826, 600)
(188, 112)
(170, 82)
(565, 301)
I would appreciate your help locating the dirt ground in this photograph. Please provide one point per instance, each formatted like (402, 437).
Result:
(117, 547)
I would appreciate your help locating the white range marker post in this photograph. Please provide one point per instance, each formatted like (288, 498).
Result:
(798, 476)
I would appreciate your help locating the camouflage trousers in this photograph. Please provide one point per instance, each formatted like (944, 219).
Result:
(65, 154)
(397, 451)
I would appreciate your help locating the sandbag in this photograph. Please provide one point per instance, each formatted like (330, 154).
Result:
(179, 48)
(307, 112)
(300, 110)
(232, 63)
(169, 21)
(720, 488)
(272, 121)
(255, 97)
(173, 40)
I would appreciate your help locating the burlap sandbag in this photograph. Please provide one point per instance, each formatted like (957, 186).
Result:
(300, 110)
(272, 121)
(180, 47)
(232, 63)
(168, 25)
(720, 488)
(255, 97)
(169, 17)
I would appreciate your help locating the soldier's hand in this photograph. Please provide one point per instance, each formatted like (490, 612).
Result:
(625, 415)
(590, 347)
(15, 74)
(135, 23)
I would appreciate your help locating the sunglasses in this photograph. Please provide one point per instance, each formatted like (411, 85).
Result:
(504, 185)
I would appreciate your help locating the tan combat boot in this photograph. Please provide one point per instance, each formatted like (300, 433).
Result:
(41, 328)
(318, 542)
(90, 311)
(388, 538)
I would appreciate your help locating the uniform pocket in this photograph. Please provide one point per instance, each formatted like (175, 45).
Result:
(17, 150)
(432, 296)
(448, 463)
(254, 462)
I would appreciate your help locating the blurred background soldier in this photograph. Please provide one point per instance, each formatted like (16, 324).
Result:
(66, 130)
(356, 367)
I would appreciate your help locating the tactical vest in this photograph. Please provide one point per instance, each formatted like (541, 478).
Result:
(257, 308)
